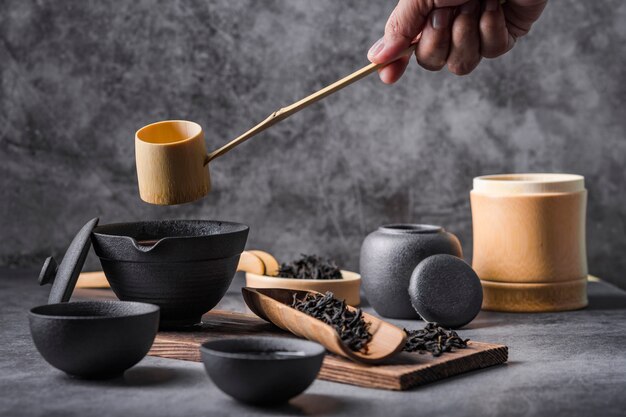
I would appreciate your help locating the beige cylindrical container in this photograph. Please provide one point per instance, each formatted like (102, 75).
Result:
(529, 241)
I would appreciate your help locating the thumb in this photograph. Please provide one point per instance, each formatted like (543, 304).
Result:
(403, 26)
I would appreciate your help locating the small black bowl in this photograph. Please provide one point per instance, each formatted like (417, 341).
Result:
(94, 339)
(262, 370)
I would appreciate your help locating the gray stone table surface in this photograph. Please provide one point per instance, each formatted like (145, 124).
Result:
(560, 364)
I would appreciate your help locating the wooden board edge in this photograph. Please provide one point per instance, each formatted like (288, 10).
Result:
(175, 350)
(335, 370)
(390, 383)
(479, 360)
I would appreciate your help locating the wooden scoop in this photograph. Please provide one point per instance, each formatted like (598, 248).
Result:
(172, 162)
(273, 305)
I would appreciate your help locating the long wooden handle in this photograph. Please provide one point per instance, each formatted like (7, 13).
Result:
(285, 112)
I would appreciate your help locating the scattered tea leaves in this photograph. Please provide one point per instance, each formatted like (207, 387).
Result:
(310, 267)
(434, 339)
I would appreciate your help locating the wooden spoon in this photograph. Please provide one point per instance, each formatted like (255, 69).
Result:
(273, 305)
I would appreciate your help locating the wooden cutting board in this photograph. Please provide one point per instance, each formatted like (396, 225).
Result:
(404, 371)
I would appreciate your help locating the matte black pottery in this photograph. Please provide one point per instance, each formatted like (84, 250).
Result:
(183, 266)
(96, 339)
(388, 257)
(446, 290)
(99, 339)
(63, 277)
(262, 370)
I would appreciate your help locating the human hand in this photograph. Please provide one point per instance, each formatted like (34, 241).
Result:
(456, 33)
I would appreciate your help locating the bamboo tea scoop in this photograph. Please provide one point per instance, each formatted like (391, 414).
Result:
(274, 305)
(172, 162)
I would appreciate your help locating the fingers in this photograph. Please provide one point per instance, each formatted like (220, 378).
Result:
(403, 28)
(404, 24)
(494, 35)
(465, 47)
(459, 40)
(521, 14)
(392, 72)
(434, 45)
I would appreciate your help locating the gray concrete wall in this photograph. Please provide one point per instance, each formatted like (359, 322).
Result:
(79, 77)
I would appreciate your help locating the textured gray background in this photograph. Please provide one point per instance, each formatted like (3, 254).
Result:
(78, 78)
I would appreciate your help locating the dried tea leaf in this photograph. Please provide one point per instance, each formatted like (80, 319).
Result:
(310, 267)
(350, 325)
(434, 339)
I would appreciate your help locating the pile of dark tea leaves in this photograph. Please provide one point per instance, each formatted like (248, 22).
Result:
(352, 328)
(310, 267)
(434, 339)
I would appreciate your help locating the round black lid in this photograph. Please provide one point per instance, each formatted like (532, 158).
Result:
(445, 290)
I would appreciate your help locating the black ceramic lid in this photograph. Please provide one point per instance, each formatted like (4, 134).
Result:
(445, 290)
(64, 277)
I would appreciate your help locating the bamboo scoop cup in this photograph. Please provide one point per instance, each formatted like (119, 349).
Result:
(172, 162)
(170, 159)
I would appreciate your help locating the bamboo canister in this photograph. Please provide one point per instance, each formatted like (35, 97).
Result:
(529, 241)
(170, 158)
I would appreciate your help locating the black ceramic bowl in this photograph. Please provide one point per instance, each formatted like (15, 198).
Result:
(183, 266)
(262, 370)
(94, 339)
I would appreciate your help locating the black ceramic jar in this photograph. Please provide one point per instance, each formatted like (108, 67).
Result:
(388, 257)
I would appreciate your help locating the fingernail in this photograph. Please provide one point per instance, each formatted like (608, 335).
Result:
(376, 48)
(440, 18)
(468, 8)
(492, 5)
